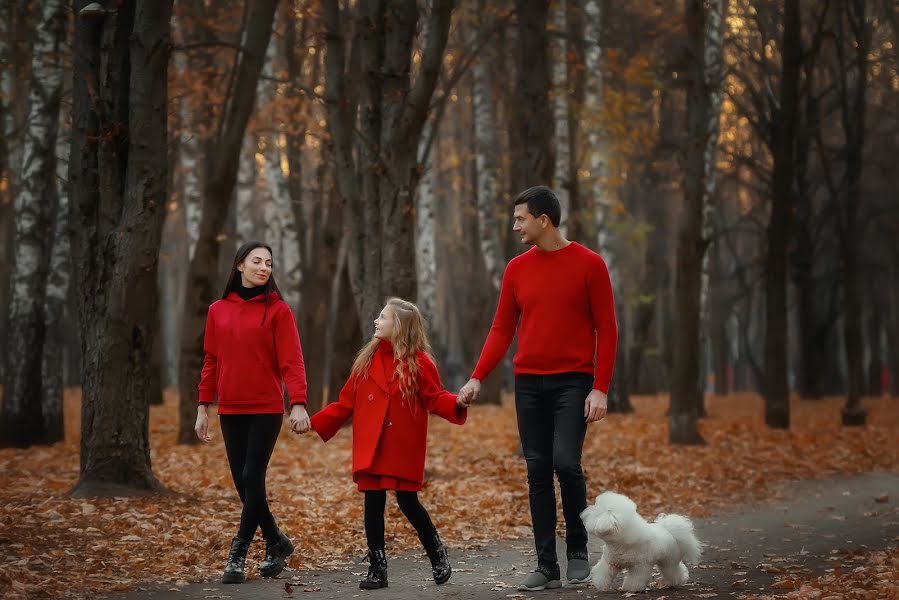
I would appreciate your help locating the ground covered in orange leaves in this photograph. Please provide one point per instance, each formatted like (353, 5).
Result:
(864, 576)
(54, 545)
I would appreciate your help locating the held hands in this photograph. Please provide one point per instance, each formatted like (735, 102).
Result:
(202, 426)
(469, 392)
(299, 419)
(595, 406)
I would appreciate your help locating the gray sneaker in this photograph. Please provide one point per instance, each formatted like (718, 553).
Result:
(578, 570)
(541, 579)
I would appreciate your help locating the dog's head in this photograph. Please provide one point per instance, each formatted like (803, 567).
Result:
(609, 514)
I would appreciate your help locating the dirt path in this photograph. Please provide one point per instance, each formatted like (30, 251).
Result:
(807, 526)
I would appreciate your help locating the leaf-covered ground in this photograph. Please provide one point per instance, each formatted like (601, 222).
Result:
(54, 545)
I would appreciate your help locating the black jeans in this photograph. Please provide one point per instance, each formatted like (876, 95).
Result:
(551, 423)
(376, 501)
(249, 442)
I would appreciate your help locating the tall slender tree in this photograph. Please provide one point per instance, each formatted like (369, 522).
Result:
(776, 388)
(683, 414)
(852, 85)
(21, 418)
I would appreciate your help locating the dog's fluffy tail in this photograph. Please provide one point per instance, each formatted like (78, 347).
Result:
(681, 528)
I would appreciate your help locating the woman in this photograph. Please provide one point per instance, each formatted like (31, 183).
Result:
(252, 346)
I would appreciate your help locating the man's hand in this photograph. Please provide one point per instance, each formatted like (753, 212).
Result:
(595, 406)
(469, 392)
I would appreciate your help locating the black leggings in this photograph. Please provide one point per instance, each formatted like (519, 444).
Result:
(376, 501)
(249, 442)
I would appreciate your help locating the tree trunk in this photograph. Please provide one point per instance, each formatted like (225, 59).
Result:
(893, 330)
(118, 175)
(597, 136)
(875, 333)
(776, 389)
(393, 111)
(532, 133)
(561, 183)
(345, 334)
(318, 275)
(485, 169)
(55, 325)
(220, 174)
(718, 316)
(426, 247)
(683, 413)
(577, 86)
(21, 420)
(853, 113)
(714, 71)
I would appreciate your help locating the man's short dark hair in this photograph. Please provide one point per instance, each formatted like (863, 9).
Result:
(541, 201)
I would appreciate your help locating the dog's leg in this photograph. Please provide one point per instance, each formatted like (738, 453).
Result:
(602, 574)
(674, 574)
(637, 578)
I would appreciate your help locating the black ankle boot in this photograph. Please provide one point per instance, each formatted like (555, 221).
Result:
(235, 569)
(277, 550)
(440, 565)
(377, 571)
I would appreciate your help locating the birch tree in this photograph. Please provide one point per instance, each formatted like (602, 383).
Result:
(597, 140)
(56, 297)
(21, 420)
(485, 162)
(714, 71)
(426, 243)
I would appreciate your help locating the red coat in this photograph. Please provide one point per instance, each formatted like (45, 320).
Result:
(389, 439)
(247, 359)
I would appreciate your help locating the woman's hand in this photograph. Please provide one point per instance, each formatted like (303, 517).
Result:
(299, 419)
(202, 426)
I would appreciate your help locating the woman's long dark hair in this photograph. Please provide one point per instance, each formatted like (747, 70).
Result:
(234, 281)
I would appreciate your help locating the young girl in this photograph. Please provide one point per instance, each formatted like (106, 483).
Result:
(393, 386)
(252, 346)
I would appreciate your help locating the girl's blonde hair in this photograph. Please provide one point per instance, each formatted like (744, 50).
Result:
(409, 338)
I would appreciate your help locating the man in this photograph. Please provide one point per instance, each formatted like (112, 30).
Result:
(559, 296)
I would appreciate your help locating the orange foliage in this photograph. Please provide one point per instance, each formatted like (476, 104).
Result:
(58, 546)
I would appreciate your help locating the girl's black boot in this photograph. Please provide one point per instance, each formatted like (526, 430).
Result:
(440, 565)
(377, 570)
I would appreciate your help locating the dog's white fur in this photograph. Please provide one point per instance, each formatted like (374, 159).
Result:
(629, 542)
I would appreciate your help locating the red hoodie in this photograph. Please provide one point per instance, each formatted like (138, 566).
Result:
(248, 358)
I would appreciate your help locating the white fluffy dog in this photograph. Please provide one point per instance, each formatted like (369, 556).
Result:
(633, 544)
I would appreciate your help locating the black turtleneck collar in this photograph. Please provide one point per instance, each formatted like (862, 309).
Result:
(246, 293)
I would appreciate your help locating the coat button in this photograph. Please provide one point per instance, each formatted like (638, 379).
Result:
(390, 423)
(371, 396)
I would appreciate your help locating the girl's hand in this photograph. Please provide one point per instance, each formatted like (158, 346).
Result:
(299, 419)
(202, 426)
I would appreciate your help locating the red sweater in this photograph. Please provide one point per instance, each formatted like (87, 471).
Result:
(567, 316)
(247, 359)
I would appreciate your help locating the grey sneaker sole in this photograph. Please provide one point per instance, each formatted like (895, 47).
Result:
(549, 585)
